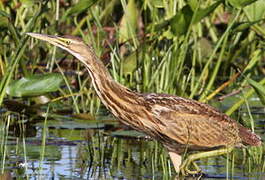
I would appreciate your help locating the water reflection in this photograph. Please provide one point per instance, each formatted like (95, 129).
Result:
(85, 153)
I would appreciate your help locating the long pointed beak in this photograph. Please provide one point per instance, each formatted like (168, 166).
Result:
(57, 41)
(45, 37)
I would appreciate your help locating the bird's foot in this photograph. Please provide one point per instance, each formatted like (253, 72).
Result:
(186, 165)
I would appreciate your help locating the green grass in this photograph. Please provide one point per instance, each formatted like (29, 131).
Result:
(151, 48)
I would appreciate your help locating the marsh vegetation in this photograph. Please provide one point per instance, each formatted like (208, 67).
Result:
(53, 124)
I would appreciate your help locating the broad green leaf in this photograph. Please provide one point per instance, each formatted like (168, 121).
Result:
(181, 21)
(79, 7)
(161, 25)
(240, 3)
(73, 125)
(128, 134)
(35, 85)
(70, 135)
(259, 89)
(202, 13)
(243, 26)
(256, 10)
(128, 24)
(193, 4)
(130, 63)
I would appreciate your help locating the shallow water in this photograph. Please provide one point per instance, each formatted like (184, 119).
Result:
(83, 149)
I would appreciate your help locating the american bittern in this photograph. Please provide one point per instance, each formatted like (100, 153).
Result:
(179, 124)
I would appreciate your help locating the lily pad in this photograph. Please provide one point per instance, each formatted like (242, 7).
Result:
(35, 85)
(72, 125)
(129, 134)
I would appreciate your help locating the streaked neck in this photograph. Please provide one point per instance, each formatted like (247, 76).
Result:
(112, 94)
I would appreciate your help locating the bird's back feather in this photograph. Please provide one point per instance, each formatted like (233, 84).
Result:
(198, 125)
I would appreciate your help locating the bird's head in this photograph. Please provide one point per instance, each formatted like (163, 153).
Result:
(74, 45)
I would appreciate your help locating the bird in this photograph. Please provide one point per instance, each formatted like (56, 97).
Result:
(179, 124)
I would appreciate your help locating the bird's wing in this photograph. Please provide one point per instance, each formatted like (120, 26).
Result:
(193, 123)
(198, 130)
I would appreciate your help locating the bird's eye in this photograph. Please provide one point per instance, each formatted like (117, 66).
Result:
(68, 42)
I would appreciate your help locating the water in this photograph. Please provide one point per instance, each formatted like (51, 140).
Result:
(83, 149)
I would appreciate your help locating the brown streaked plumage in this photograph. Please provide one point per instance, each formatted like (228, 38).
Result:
(179, 124)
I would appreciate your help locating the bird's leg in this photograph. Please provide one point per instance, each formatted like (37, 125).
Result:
(176, 160)
(193, 157)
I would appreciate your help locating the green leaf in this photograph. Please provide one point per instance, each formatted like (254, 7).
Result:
(181, 21)
(240, 3)
(35, 85)
(202, 13)
(73, 125)
(80, 7)
(128, 134)
(243, 26)
(130, 63)
(259, 89)
(128, 25)
(160, 25)
(255, 11)
(193, 4)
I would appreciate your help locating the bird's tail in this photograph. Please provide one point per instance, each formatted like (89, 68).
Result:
(248, 137)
